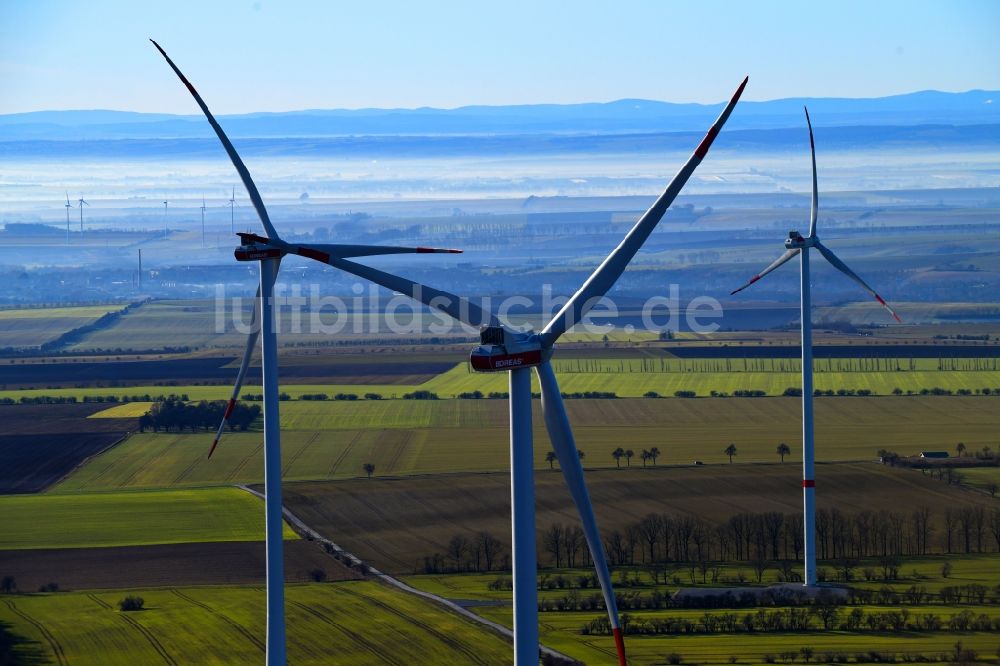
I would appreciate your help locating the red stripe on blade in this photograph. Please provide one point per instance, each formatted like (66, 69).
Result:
(229, 409)
(808, 483)
(619, 645)
(309, 253)
(215, 443)
(706, 143)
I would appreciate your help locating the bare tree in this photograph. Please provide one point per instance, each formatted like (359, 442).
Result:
(628, 457)
(551, 458)
(369, 469)
(573, 540)
(457, 549)
(651, 530)
(618, 454)
(995, 526)
(645, 456)
(491, 547)
(922, 529)
(730, 451)
(654, 453)
(553, 541)
(960, 448)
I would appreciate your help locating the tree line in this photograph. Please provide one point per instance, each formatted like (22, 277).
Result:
(175, 413)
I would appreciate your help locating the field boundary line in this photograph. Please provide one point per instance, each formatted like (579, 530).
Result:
(57, 648)
(121, 440)
(299, 526)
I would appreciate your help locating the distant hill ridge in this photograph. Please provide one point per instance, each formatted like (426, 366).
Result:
(975, 107)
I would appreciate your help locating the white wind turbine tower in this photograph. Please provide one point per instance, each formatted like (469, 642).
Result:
(203, 221)
(81, 203)
(68, 206)
(797, 245)
(269, 251)
(165, 231)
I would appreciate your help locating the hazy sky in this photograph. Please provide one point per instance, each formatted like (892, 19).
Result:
(277, 56)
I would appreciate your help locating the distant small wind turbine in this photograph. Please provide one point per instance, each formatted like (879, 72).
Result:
(68, 206)
(166, 232)
(232, 212)
(796, 245)
(203, 221)
(82, 203)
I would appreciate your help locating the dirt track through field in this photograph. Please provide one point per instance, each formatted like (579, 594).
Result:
(147, 634)
(458, 646)
(344, 454)
(57, 648)
(225, 618)
(384, 657)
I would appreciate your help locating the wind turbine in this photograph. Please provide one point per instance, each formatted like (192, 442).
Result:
(203, 221)
(166, 232)
(68, 206)
(81, 203)
(502, 349)
(269, 251)
(797, 245)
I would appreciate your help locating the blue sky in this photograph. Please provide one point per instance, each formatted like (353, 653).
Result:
(277, 56)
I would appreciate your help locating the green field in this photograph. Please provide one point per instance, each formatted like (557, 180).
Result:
(343, 623)
(629, 379)
(634, 378)
(130, 518)
(123, 411)
(561, 629)
(34, 326)
(333, 439)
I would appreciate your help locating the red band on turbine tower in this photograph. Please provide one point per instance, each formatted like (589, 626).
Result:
(619, 645)
(808, 483)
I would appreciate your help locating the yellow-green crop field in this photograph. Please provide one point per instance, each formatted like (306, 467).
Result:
(130, 518)
(123, 411)
(561, 629)
(343, 623)
(333, 439)
(31, 327)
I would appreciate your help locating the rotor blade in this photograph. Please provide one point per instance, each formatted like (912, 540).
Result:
(241, 168)
(777, 262)
(241, 375)
(324, 252)
(842, 267)
(814, 210)
(602, 279)
(561, 435)
(457, 307)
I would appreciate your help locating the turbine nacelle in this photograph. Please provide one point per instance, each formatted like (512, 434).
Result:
(796, 241)
(502, 349)
(255, 248)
